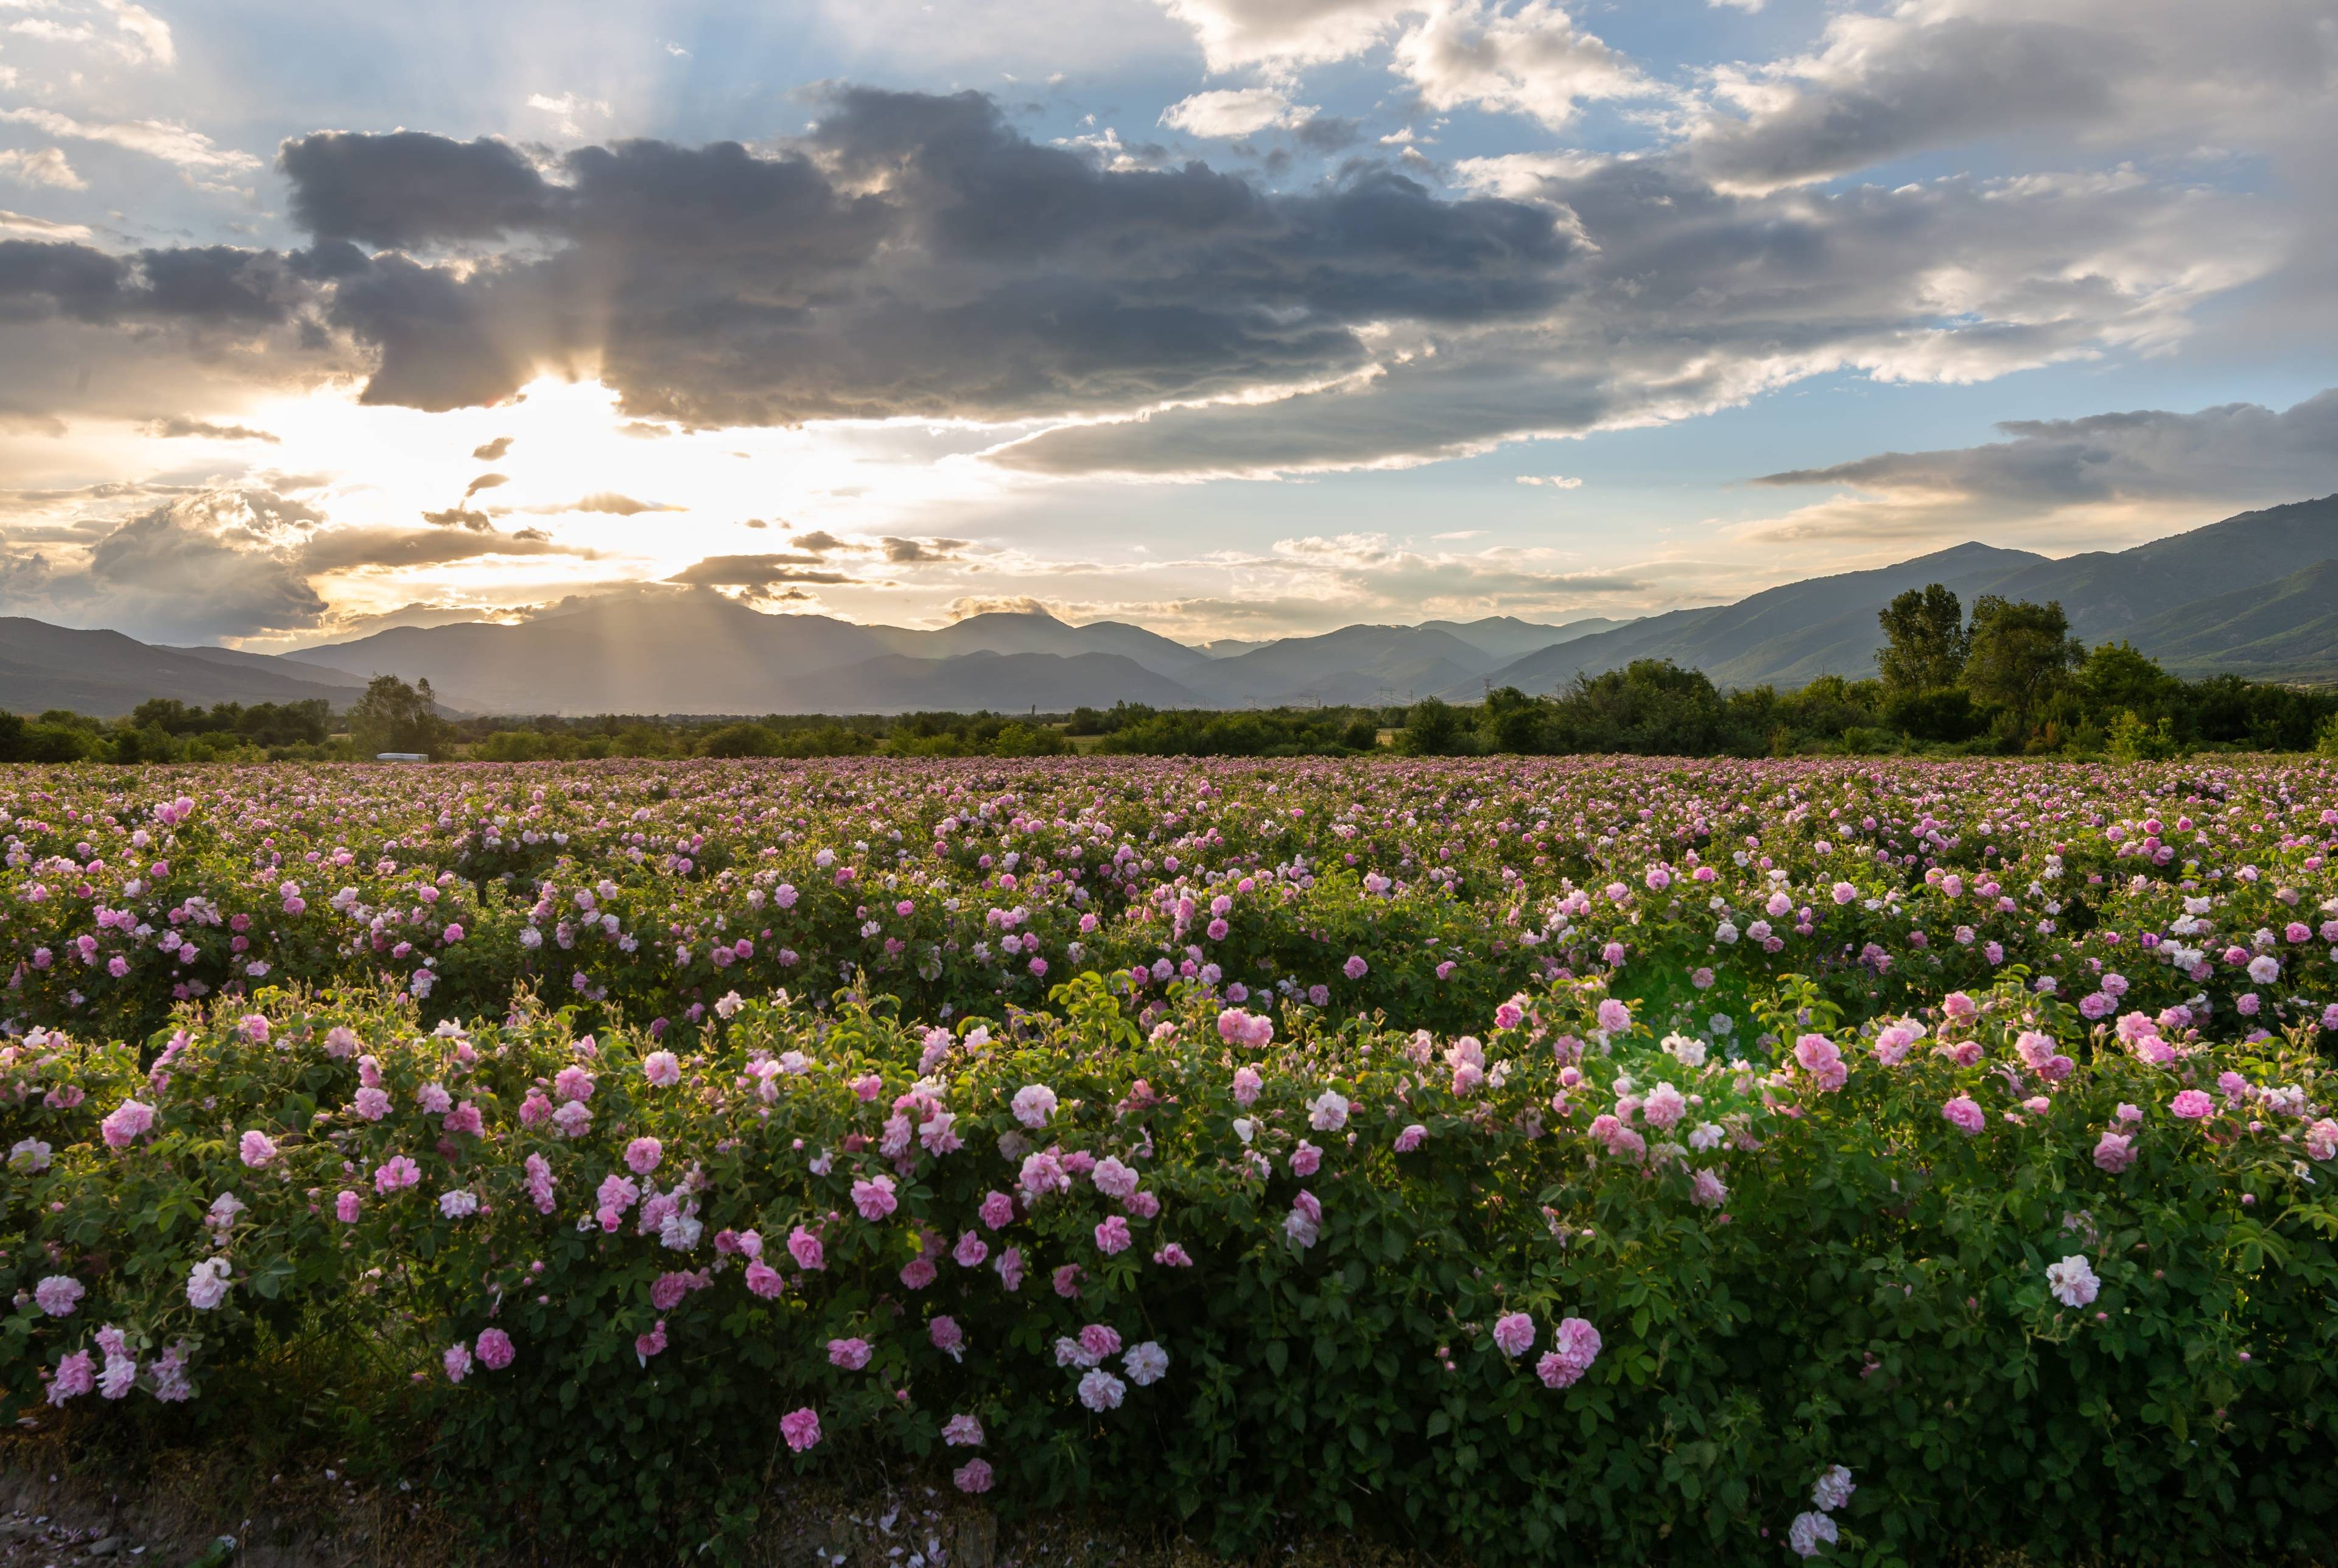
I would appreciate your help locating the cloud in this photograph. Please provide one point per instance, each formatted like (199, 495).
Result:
(354, 549)
(1950, 73)
(178, 426)
(493, 450)
(568, 109)
(906, 551)
(753, 571)
(2232, 452)
(217, 563)
(913, 255)
(461, 517)
(1532, 61)
(819, 541)
(608, 501)
(213, 285)
(1235, 112)
(1555, 480)
(485, 482)
(1682, 299)
(39, 228)
(994, 604)
(176, 144)
(44, 166)
(1234, 33)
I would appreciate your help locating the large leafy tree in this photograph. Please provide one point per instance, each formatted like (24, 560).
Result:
(2020, 652)
(395, 717)
(1925, 643)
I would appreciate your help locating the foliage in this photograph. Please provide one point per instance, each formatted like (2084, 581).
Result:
(395, 717)
(1232, 1269)
(2019, 653)
(1925, 640)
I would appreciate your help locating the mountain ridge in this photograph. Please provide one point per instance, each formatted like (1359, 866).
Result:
(2245, 594)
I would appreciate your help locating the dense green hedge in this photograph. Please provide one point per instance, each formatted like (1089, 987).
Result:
(1793, 1263)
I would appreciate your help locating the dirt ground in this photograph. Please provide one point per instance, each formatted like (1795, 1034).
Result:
(190, 1515)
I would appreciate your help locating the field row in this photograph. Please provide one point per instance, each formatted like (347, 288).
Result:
(1428, 891)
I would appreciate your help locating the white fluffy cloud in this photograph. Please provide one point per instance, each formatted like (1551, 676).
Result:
(1283, 34)
(1531, 60)
(40, 166)
(1235, 112)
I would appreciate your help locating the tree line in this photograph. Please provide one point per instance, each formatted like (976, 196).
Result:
(2007, 680)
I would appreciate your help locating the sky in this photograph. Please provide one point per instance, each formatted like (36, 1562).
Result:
(1234, 319)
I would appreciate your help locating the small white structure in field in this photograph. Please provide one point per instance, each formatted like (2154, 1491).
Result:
(401, 757)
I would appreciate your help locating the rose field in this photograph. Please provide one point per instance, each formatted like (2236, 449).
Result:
(1514, 1160)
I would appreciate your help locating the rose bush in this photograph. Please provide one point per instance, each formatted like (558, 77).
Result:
(1581, 1281)
(1427, 890)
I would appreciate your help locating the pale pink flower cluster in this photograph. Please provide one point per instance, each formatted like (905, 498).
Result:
(1575, 1345)
(801, 1428)
(874, 1196)
(126, 1123)
(206, 1283)
(2072, 1281)
(1033, 1104)
(1822, 1059)
(57, 1294)
(1237, 1027)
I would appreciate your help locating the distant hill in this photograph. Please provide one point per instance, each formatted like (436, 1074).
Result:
(2255, 594)
(2239, 594)
(106, 674)
(1505, 637)
(1784, 636)
(2287, 627)
(1353, 664)
(1002, 682)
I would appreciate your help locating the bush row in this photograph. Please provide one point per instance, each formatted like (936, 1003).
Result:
(1985, 1276)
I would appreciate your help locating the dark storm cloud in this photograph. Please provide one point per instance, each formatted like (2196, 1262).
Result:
(207, 285)
(913, 254)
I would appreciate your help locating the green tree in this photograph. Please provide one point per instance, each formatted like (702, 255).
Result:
(1654, 708)
(744, 740)
(2019, 652)
(1514, 721)
(395, 717)
(1925, 643)
(1432, 727)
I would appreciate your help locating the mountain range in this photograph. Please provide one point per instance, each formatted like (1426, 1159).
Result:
(2254, 594)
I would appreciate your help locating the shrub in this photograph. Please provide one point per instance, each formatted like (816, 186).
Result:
(1562, 1287)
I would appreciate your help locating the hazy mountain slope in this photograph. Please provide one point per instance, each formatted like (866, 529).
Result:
(1504, 638)
(1787, 635)
(1014, 632)
(1003, 682)
(2105, 591)
(105, 674)
(695, 653)
(237, 659)
(1368, 663)
(2289, 626)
